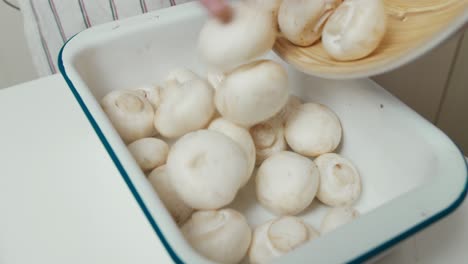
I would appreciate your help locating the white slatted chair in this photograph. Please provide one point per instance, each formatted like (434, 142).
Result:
(49, 24)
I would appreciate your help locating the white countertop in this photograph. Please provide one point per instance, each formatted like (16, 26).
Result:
(63, 201)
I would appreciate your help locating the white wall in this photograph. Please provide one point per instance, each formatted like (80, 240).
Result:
(436, 86)
(453, 116)
(421, 83)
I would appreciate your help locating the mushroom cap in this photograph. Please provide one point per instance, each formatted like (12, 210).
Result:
(336, 217)
(293, 103)
(301, 22)
(223, 236)
(268, 138)
(161, 183)
(278, 237)
(242, 137)
(250, 34)
(355, 29)
(286, 183)
(151, 93)
(313, 129)
(130, 114)
(253, 93)
(272, 6)
(207, 169)
(340, 183)
(181, 75)
(184, 107)
(149, 153)
(215, 78)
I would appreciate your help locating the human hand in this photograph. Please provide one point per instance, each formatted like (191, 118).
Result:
(219, 9)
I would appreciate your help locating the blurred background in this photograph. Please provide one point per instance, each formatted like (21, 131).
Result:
(436, 85)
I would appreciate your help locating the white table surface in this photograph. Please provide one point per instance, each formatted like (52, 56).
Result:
(63, 201)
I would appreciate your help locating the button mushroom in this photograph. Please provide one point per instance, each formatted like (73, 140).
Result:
(241, 136)
(249, 34)
(355, 29)
(130, 113)
(340, 183)
(215, 78)
(151, 93)
(271, 6)
(268, 138)
(223, 236)
(286, 183)
(161, 183)
(278, 237)
(149, 153)
(293, 103)
(181, 75)
(184, 107)
(302, 21)
(337, 217)
(313, 129)
(207, 169)
(253, 93)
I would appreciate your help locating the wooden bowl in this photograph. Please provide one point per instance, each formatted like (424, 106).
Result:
(414, 28)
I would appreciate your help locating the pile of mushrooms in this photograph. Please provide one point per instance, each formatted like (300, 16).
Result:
(349, 29)
(199, 139)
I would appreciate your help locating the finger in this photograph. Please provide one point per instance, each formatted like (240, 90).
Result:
(218, 8)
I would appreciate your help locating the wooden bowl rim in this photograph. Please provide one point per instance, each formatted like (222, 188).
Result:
(391, 64)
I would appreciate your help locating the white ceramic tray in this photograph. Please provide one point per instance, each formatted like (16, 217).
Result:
(413, 175)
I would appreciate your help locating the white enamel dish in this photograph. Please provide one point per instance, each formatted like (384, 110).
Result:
(413, 175)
